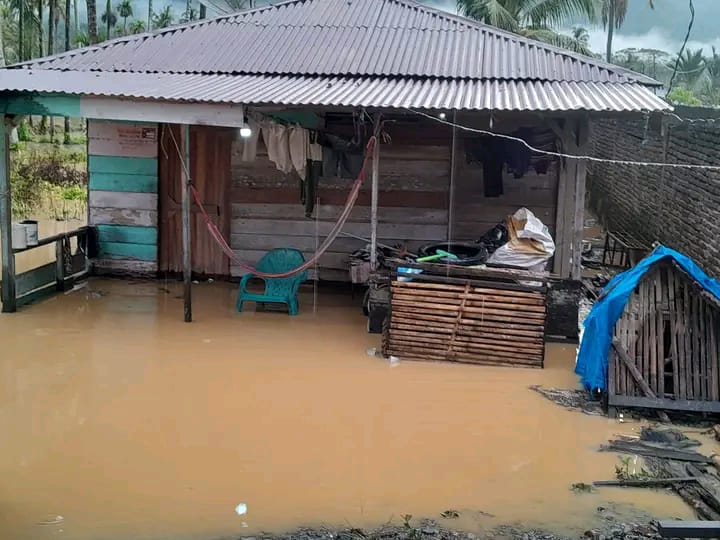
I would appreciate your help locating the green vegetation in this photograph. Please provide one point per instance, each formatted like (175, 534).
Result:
(52, 183)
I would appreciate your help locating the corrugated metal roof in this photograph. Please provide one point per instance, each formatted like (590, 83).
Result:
(342, 37)
(384, 92)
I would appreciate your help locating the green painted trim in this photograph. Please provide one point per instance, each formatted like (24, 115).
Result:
(128, 234)
(137, 183)
(36, 278)
(42, 104)
(123, 165)
(118, 250)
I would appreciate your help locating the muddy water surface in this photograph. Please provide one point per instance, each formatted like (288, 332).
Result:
(128, 423)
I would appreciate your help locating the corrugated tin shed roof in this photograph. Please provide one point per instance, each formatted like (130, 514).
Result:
(390, 92)
(383, 50)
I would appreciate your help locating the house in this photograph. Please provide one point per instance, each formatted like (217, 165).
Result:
(173, 98)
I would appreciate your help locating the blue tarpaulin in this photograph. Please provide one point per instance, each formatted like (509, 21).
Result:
(597, 337)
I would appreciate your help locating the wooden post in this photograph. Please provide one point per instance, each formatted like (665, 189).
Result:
(581, 142)
(9, 303)
(186, 242)
(374, 204)
(451, 188)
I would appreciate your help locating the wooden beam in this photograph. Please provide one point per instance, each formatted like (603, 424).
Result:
(209, 114)
(374, 203)
(667, 404)
(9, 303)
(581, 145)
(632, 368)
(186, 238)
(689, 529)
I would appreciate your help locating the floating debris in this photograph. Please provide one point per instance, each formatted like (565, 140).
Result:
(576, 400)
(450, 514)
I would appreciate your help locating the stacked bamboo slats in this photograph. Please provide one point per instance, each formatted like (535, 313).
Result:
(667, 344)
(475, 322)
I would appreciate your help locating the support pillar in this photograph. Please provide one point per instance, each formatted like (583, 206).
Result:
(9, 303)
(374, 204)
(186, 238)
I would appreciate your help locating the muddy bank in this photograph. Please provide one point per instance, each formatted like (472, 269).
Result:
(643, 528)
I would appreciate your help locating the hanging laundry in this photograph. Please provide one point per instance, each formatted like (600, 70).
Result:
(249, 151)
(299, 141)
(340, 157)
(276, 137)
(490, 153)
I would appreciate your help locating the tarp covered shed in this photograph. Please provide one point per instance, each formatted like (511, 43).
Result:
(656, 327)
(319, 62)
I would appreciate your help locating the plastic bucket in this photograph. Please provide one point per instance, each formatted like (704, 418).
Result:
(19, 236)
(31, 231)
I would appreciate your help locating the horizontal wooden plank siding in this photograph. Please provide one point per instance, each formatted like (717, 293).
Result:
(139, 183)
(119, 216)
(123, 199)
(413, 196)
(122, 164)
(128, 234)
(121, 250)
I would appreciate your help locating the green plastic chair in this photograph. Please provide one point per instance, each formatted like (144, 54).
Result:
(277, 290)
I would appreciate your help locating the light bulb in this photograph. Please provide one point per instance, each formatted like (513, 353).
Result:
(245, 132)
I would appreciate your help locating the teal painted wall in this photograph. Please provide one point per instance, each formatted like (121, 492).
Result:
(119, 250)
(123, 165)
(119, 184)
(130, 234)
(58, 105)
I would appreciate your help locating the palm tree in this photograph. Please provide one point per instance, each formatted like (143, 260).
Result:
(125, 10)
(109, 18)
(712, 65)
(532, 18)
(66, 137)
(613, 13)
(690, 67)
(92, 21)
(137, 26)
(163, 19)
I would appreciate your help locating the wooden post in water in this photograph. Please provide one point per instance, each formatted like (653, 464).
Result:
(9, 303)
(374, 203)
(186, 239)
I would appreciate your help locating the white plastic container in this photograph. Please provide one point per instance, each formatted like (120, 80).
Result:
(19, 236)
(31, 231)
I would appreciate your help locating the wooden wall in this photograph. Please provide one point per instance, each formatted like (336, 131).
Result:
(414, 196)
(123, 200)
(473, 213)
(414, 179)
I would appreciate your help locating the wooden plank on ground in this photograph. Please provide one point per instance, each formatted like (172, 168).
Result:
(632, 368)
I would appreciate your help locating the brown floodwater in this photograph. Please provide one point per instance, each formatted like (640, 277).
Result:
(118, 420)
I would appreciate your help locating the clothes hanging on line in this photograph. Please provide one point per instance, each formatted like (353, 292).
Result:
(341, 158)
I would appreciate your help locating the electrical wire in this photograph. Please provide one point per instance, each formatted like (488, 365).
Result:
(682, 48)
(563, 155)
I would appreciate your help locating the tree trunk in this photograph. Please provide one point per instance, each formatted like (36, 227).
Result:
(21, 33)
(149, 23)
(108, 8)
(41, 45)
(188, 7)
(611, 29)
(92, 21)
(2, 41)
(76, 25)
(52, 31)
(66, 137)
